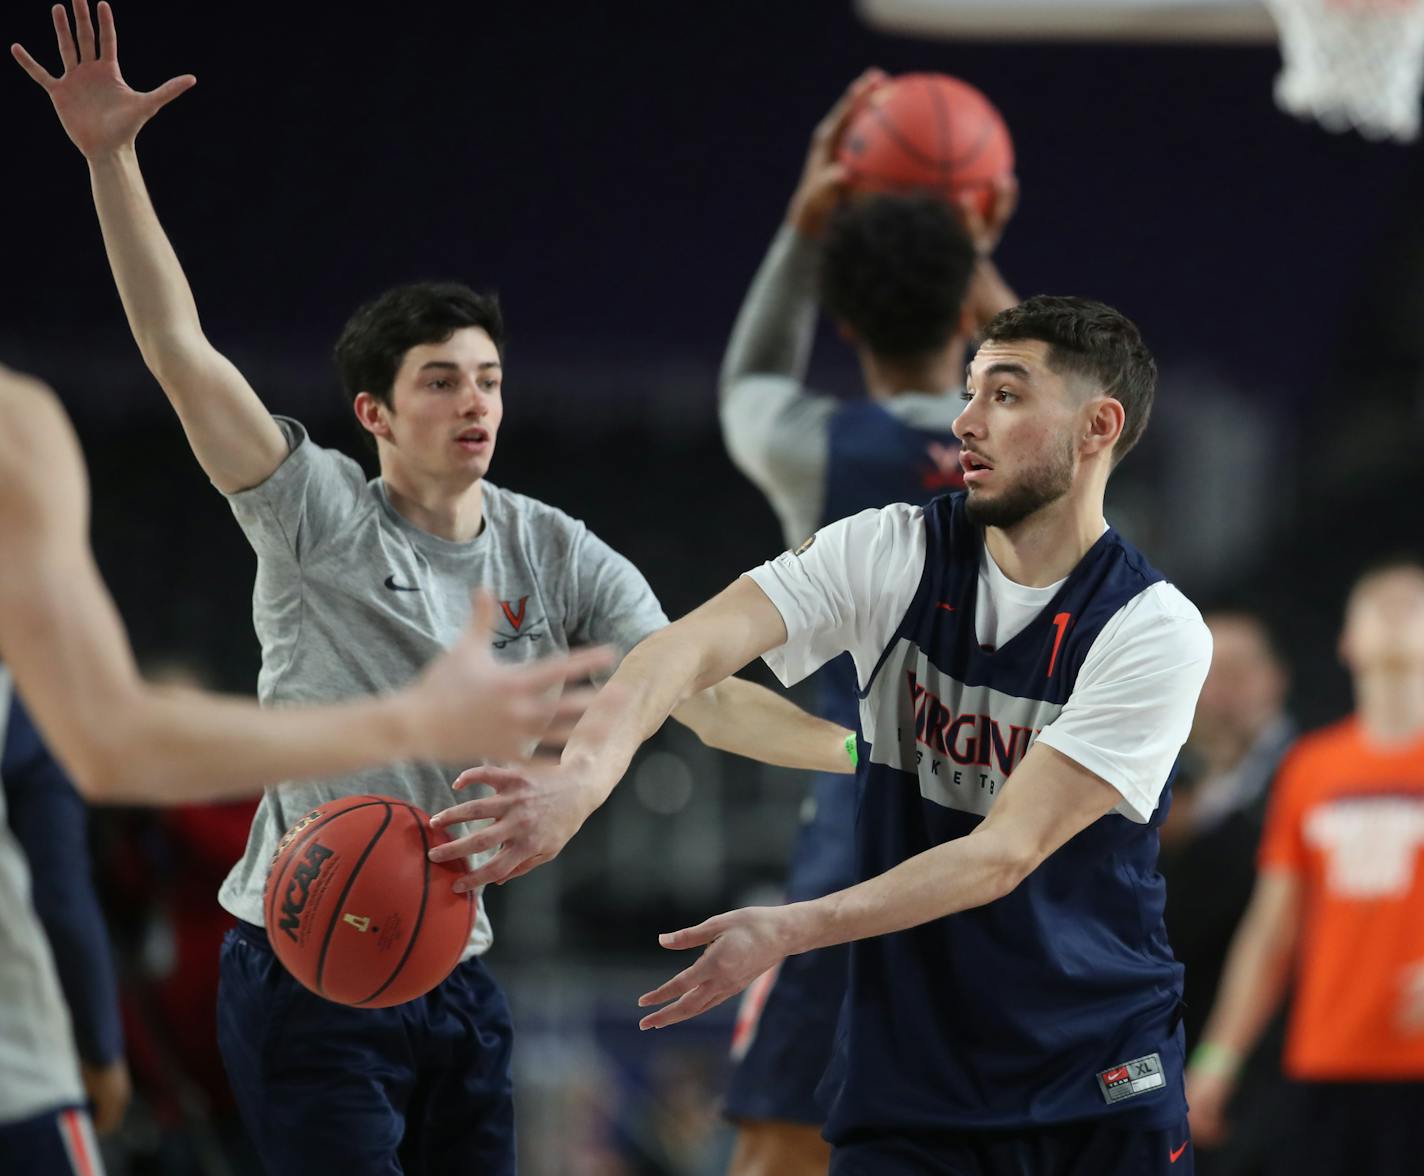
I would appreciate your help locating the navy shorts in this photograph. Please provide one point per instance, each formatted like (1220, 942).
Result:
(786, 1032)
(58, 1143)
(1073, 1149)
(421, 1088)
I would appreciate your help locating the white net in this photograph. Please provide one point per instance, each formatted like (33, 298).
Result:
(1353, 63)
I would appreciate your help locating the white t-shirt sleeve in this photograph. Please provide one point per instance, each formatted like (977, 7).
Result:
(847, 588)
(1132, 705)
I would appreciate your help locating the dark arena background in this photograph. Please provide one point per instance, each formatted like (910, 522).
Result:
(616, 172)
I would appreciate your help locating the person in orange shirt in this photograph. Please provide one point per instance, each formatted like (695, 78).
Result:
(1339, 908)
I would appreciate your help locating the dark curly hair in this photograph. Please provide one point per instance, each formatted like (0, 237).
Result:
(895, 269)
(375, 339)
(1087, 338)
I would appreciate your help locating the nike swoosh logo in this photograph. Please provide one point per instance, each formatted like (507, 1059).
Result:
(1177, 1155)
(394, 587)
(946, 607)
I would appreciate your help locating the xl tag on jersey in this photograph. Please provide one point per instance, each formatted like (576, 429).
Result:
(1139, 1076)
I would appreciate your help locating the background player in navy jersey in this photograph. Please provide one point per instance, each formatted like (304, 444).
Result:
(63, 646)
(50, 821)
(1027, 680)
(359, 584)
(894, 272)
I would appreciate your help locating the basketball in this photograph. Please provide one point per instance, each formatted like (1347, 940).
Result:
(928, 132)
(357, 912)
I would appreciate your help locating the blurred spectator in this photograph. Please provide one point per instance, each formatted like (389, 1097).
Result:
(1209, 843)
(162, 870)
(50, 821)
(1341, 897)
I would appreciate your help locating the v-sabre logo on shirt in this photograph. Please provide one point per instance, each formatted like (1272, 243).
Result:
(960, 741)
(515, 615)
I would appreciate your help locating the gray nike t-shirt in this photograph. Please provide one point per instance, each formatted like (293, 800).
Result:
(351, 598)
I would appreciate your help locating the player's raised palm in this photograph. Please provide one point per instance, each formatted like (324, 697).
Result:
(468, 704)
(97, 108)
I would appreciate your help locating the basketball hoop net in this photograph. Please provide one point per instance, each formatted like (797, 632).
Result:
(1352, 63)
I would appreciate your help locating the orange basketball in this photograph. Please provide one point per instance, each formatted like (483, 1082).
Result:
(357, 912)
(928, 132)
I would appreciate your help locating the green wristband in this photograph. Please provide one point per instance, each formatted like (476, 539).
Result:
(852, 752)
(1211, 1058)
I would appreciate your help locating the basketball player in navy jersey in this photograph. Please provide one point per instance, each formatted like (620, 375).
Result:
(361, 582)
(63, 646)
(894, 272)
(1026, 681)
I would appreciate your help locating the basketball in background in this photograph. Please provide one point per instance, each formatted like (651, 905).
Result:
(357, 912)
(928, 132)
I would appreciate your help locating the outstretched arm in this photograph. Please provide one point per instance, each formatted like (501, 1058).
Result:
(745, 719)
(534, 813)
(233, 436)
(775, 430)
(122, 740)
(1047, 800)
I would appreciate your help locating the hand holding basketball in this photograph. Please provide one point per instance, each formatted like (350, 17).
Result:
(929, 133)
(986, 226)
(468, 706)
(96, 107)
(823, 177)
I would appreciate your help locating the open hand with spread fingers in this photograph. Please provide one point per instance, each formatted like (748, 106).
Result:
(741, 945)
(96, 107)
(467, 704)
(533, 811)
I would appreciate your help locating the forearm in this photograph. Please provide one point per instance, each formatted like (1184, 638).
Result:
(956, 876)
(1253, 985)
(777, 321)
(652, 681)
(989, 293)
(173, 747)
(156, 296)
(232, 434)
(709, 644)
(745, 719)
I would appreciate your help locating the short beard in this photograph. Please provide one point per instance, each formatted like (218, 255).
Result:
(1042, 486)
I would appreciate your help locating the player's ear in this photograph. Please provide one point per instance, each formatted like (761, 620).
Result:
(373, 414)
(1105, 418)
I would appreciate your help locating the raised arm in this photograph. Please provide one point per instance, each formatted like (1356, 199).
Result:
(774, 429)
(233, 436)
(124, 741)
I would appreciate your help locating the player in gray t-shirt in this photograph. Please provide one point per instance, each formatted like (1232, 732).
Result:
(358, 585)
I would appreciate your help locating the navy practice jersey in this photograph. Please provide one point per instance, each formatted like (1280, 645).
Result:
(1060, 1001)
(875, 458)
